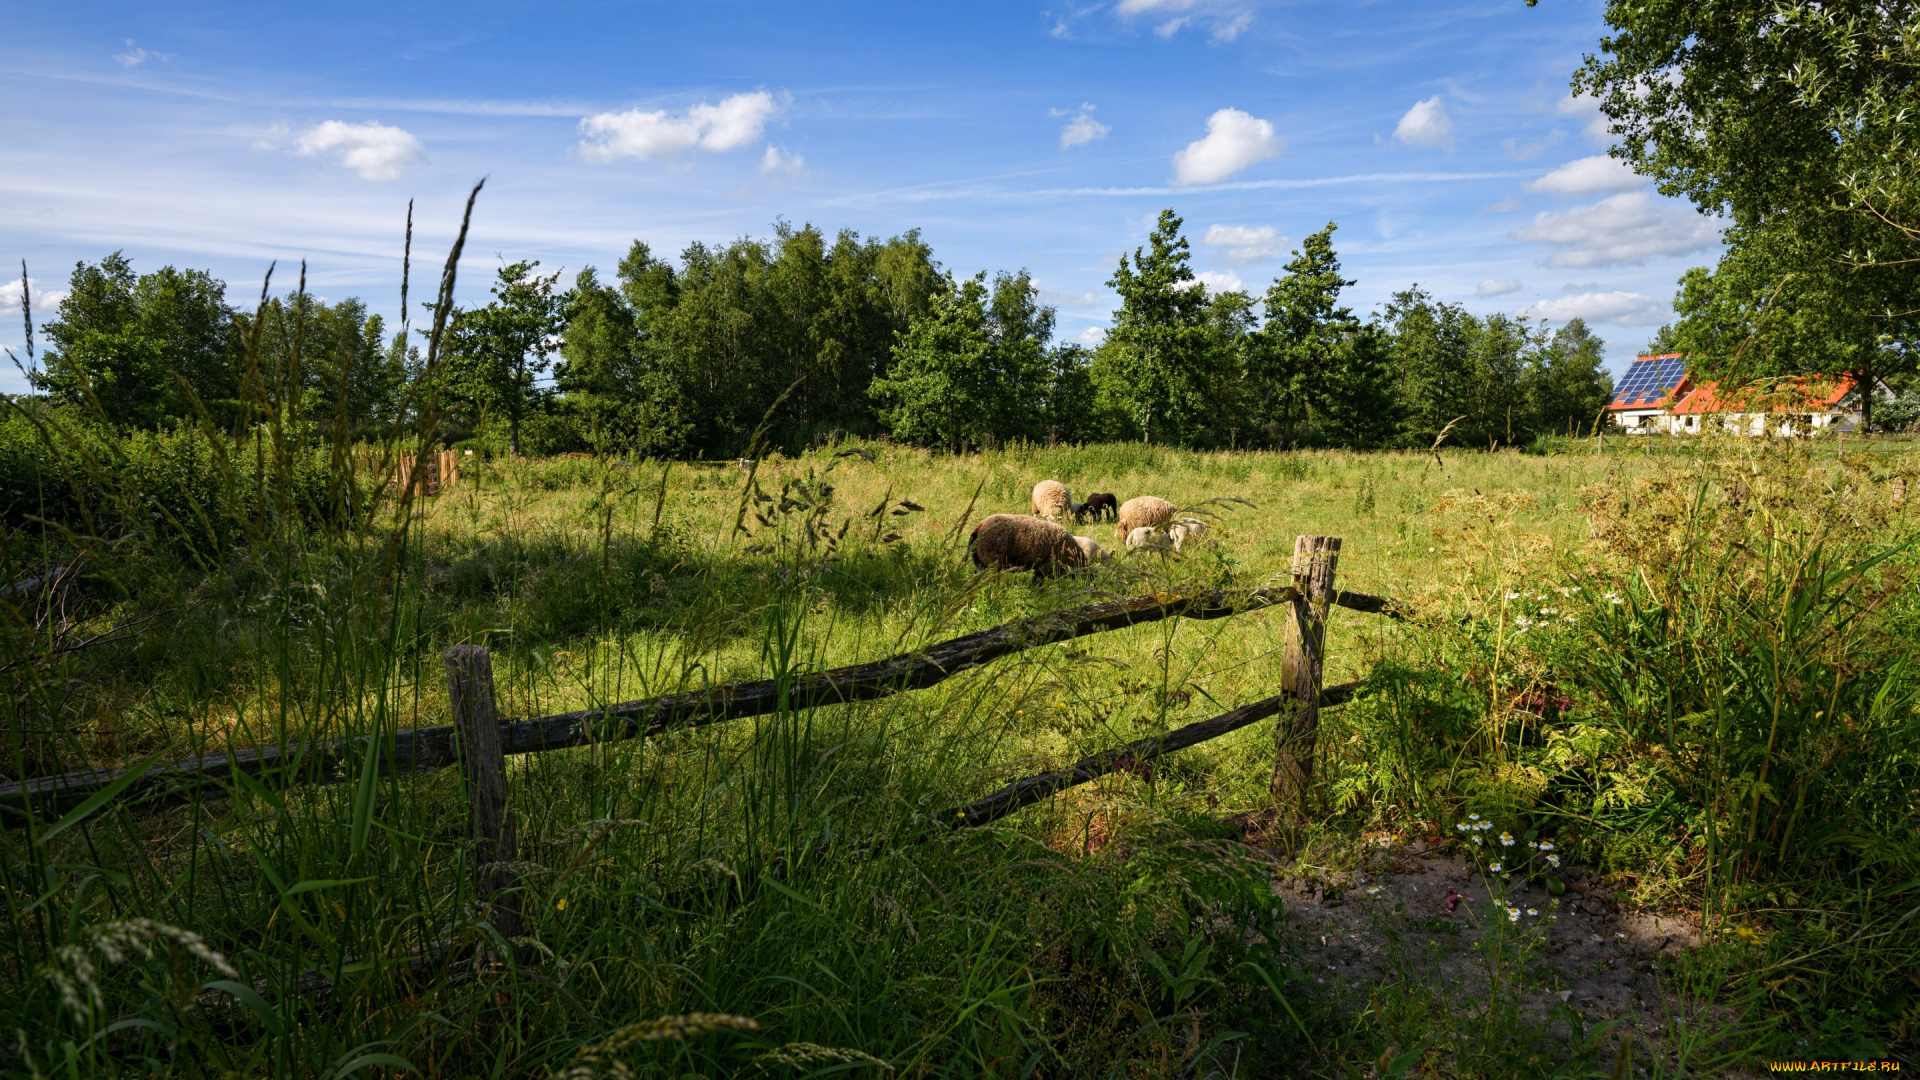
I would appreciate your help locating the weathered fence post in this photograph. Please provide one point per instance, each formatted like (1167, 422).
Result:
(477, 722)
(1314, 561)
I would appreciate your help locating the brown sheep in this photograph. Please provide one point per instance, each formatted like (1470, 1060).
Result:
(1019, 542)
(1101, 505)
(1145, 512)
(1051, 500)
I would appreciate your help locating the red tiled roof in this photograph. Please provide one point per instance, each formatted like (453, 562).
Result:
(1798, 394)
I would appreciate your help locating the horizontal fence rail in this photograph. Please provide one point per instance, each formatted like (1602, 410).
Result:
(1032, 789)
(419, 749)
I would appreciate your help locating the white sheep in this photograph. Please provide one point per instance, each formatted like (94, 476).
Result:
(1051, 500)
(1092, 551)
(1148, 538)
(1187, 531)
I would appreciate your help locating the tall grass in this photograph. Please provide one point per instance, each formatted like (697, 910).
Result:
(1735, 736)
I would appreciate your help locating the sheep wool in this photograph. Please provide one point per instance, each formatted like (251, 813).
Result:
(1187, 531)
(1091, 551)
(1146, 538)
(1145, 511)
(1051, 499)
(1016, 541)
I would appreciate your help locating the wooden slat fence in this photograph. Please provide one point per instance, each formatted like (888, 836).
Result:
(416, 749)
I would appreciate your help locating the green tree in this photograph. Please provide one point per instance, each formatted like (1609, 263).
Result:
(1311, 359)
(498, 351)
(951, 380)
(1791, 119)
(1567, 382)
(608, 376)
(142, 348)
(1432, 371)
(1155, 364)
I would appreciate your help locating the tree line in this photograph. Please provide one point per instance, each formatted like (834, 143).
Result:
(798, 336)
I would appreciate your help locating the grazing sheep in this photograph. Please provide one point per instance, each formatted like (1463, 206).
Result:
(1102, 505)
(1091, 551)
(1016, 541)
(1078, 511)
(1145, 511)
(1148, 538)
(1187, 531)
(1051, 499)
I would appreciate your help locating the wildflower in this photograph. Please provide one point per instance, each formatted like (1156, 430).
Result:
(1546, 845)
(1473, 817)
(1506, 839)
(1535, 912)
(1570, 618)
(560, 904)
(1532, 844)
(1476, 841)
(1513, 596)
(1375, 891)
(1486, 825)
(1463, 826)
(1617, 601)
(1453, 899)
(1513, 914)
(1554, 861)
(1495, 868)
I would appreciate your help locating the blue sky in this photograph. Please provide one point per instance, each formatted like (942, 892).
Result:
(1438, 133)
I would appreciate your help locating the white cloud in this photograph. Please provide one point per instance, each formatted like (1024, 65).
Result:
(1505, 206)
(735, 122)
(777, 160)
(1093, 335)
(1593, 122)
(1171, 27)
(1588, 176)
(1234, 141)
(1142, 7)
(45, 301)
(1426, 124)
(1620, 230)
(135, 55)
(1227, 31)
(1067, 300)
(1080, 130)
(374, 150)
(1246, 244)
(1492, 287)
(1220, 281)
(1619, 308)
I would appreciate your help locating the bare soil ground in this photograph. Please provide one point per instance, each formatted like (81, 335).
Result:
(1411, 911)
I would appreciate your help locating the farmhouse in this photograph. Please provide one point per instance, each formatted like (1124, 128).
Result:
(1658, 395)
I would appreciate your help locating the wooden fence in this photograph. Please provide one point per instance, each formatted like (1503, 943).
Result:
(478, 740)
(431, 471)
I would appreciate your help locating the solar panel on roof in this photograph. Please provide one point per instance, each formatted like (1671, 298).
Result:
(1649, 380)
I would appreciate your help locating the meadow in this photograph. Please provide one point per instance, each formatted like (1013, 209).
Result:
(1684, 667)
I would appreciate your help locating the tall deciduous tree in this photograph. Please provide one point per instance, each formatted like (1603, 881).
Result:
(499, 350)
(1567, 381)
(1156, 358)
(142, 347)
(1792, 120)
(975, 366)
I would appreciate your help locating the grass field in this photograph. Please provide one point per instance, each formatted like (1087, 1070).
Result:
(1688, 668)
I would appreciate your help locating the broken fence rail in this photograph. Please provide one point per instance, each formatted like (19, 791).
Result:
(420, 749)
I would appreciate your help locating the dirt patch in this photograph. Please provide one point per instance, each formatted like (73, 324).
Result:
(1414, 910)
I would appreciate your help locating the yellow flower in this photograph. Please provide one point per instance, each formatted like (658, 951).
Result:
(560, 904)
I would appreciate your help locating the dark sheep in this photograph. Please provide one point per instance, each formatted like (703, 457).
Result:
(1102, 505)
(1016, 541)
